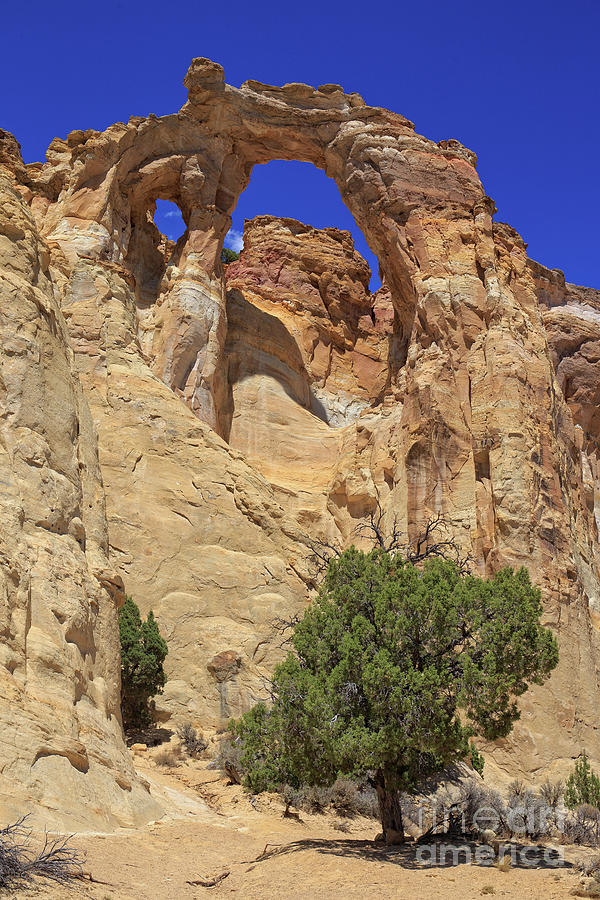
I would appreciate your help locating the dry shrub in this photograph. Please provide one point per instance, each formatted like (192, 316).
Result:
(19, 864)
(229, 759)
(583, 826)
(313, 799)
(590, 890)
(346, 797)
(168, 756)
(552, 792)
(590, 867)
(350, 798)
(193, 742)
(527, 814)
(481, 808)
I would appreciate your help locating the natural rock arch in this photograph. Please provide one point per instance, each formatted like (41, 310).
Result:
(398, 186)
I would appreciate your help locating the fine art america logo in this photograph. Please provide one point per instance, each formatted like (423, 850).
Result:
(521, 822)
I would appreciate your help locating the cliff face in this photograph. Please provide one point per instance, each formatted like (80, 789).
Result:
(62, 756)
(195, 430)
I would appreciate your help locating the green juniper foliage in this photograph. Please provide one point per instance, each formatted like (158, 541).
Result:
(143, 652)
(394, 670)
(583, 785)
(228, 256)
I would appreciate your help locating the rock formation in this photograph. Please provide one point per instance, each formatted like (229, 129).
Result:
(187, 432)
(62, 753)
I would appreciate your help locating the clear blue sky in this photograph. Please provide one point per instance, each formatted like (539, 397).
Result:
(518, 82)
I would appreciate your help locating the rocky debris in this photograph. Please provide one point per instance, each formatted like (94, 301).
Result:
(241, 415)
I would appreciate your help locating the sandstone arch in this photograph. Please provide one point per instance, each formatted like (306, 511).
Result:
(202, 159)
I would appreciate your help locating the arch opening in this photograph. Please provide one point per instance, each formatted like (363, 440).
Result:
(168, 218)
(299, 190)
(348, 336)
(158, 233)
(309, 340)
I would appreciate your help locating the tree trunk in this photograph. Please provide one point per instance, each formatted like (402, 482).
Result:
(390, 811)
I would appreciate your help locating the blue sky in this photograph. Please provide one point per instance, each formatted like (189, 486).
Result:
(517, 82)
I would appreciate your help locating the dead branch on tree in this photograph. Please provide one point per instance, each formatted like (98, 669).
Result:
(431, 542)
(322, 552)
(285, 628)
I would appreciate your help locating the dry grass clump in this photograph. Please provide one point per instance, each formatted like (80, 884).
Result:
(168, 757)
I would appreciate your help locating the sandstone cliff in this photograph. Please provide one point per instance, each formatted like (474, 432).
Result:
(62, 754)
(195, 429)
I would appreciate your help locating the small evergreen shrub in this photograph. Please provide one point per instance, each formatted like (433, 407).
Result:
(143, 653)
(583, 785)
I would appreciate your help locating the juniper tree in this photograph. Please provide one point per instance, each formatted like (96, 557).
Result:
(583, 785)
(229, 256)
(394, 669)
(143, 653)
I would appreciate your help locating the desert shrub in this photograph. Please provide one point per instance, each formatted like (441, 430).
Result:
(346, 797)
(590, 867)
(229, 758)
(19, 863)
(168, 756)
(526, 814)
(368, 805)
(143, 653)
(350, 798)
(583, 826)
(516, 789)
(583, 785)
(409, 805)
(290, 796)
(552, 792)
(193, 742)
(314, 798)
(481, 808)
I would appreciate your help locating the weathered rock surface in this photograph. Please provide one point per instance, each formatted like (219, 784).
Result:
(571, 316)
(62, 755)
(241, 415)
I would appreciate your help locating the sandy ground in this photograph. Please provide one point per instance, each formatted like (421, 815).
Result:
(214, 828)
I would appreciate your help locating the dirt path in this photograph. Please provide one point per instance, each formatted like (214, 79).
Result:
(214, 828)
